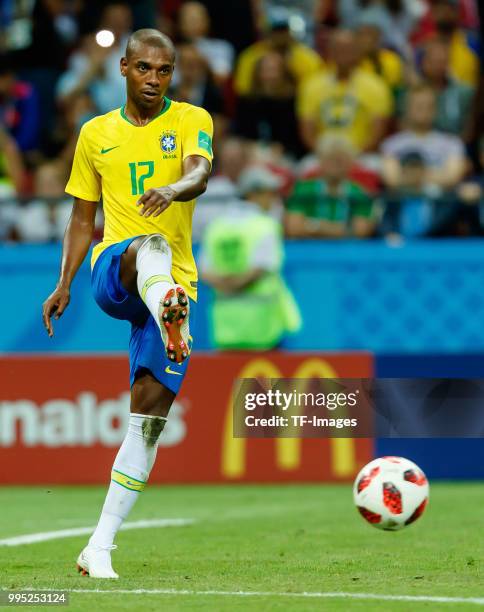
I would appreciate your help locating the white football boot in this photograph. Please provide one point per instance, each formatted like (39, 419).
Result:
(95, 561)
(173, 314)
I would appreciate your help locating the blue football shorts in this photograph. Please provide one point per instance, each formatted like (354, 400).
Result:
(146, 349)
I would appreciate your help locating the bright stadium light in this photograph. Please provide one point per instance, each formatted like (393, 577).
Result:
(105, 38)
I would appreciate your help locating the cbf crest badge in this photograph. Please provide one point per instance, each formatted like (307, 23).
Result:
(168, 142)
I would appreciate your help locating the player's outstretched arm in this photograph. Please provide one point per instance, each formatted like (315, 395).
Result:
(196, 170)
(77, 240)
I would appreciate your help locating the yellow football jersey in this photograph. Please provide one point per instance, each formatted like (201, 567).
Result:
(120, 161)
(345, 107)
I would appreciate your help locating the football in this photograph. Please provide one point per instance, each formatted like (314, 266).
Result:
(391, 493)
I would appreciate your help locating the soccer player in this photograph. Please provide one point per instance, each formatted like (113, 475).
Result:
(148, 160)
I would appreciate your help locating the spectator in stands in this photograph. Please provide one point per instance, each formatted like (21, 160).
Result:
(267, 112)
(195, 84)
(374, 58)
(301, 60)
(463, 47)
(454, 98)
(194, 26)
(241, 258)
(330, 206)
(233, 21)
(36, 220)
(44, 218)
(54, 30)
(19, 108)
(258, 185)
(415, 208)
(222, 189)
(442, 153)
(51, 34)
(70, 120)
(233, 158)
(49, 184)
(470, 194)
(94, 69)
(398, 19)
(345, 99)
(12, 171)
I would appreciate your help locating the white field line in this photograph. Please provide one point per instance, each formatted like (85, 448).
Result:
(44, 536)
(314, 595)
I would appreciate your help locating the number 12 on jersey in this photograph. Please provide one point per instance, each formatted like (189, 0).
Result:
(140, 171)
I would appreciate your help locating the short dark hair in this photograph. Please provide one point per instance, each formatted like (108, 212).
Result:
(150, 37)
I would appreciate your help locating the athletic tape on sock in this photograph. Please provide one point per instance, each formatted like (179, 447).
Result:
(157, 278)
(127, 481)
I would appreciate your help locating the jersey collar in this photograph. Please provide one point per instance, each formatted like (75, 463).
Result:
(166, 106)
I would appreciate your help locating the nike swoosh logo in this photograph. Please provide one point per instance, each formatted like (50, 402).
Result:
(168, 370)
(103, 151)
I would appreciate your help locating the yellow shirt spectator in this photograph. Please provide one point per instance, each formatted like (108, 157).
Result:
(390, 67)
(302, 62)
(464, 63)
(347, 107)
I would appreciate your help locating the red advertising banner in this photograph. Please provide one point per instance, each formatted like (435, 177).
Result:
(62, 419)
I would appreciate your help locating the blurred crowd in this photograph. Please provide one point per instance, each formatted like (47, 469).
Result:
(335, 118)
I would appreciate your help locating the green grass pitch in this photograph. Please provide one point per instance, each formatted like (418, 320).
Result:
(268, 539)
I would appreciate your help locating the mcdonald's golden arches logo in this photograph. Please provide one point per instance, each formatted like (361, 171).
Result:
(288, 451)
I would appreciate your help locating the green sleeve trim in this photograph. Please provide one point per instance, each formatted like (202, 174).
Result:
(205, 141)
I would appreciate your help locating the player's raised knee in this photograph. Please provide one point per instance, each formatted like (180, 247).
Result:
(155, 242)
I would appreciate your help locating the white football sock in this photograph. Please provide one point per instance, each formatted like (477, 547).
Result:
(153, 263)
(130, 472)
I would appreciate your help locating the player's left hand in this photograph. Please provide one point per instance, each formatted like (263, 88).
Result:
(155, 201)
(54, 306)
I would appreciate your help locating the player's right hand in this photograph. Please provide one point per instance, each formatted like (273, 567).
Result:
(55, 305)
